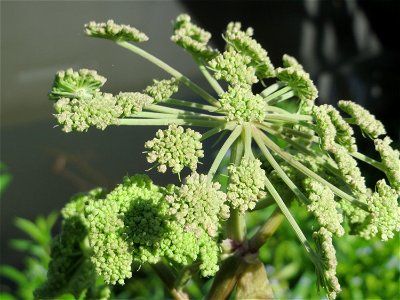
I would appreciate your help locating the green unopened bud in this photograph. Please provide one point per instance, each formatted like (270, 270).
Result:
(290, 61)
(243, 42)
(162, 89)
(116, 32)
(246, 185)
(363, 118)
(192, 38)
(76, 84)
(175, 148)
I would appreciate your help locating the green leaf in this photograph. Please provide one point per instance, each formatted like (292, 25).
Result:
(253, 282)
(6, 296)
(13, 274)
(5, 177)
(66, 297)
(32, 230)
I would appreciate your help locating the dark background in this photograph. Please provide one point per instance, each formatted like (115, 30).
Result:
(349, 48)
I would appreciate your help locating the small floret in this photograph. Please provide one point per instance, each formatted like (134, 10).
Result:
(79, 114)
(391, 161)
(363, 118)
(290, 61)
(384, 218)
(246, 184)
(326, 269)
(241, 105)
(301, 84)
(323, 206)
(162, 89)
(76, 84)
(115, 32)
(175, 148)
(192, 38)
(234, 68)
(132, 103)
(243, 43)
(199, 205)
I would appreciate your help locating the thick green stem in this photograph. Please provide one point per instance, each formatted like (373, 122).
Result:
(211, 80)
(278, 169)
(168, 121)
(226, 278)
(266, 231)
(368, 160)
(167, 68)
(236, 224)
(168, 278)
(224, 149)
(247, 140)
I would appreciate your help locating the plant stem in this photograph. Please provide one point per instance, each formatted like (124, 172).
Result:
(211, 132)
(278, 93)
(236, 224)
(168, 278)
(368, 160)
(266, 231)
(247, 140)
(190, 104)
(287, 117)
(281, 98)
(224, 149)
(168, 121)
(272, 88)
(226, 278)
(211, 80)
(306, 171)
(167, 68)
(278, 169)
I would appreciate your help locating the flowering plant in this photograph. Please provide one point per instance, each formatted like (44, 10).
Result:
(278, 154)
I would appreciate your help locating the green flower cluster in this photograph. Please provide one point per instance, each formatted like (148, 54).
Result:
(133, 223)
(192, 38)
(234, 68)
(246, 184)
(326, 270)
(116, 32)
(363, 118)
(175, 148)
(199, 205)
(70, 269)
(243, 43)
(162, 89)
(324, 206)
(390, 160)
(76, 84)
(241, 105)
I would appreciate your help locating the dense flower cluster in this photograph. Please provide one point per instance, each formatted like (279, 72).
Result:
(175, 148)
(246, 185)
(76, 84)
(191, 37)
(199, 204)
(162, 89)
(391, 161)
(113, 31)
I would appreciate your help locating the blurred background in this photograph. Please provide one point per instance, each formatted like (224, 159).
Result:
(349, 47)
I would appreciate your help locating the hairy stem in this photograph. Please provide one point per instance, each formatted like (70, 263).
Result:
(167, 68)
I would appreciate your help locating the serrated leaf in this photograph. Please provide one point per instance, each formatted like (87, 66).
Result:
(253, 283)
